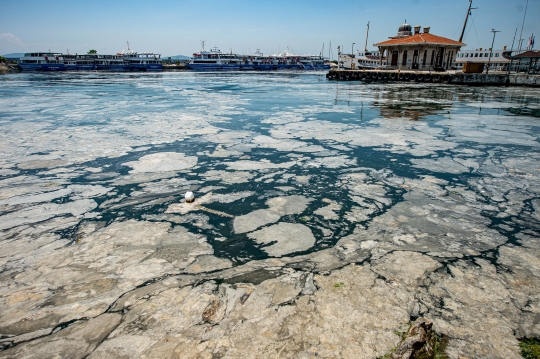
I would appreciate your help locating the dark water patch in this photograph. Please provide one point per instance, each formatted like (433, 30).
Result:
(236, 247)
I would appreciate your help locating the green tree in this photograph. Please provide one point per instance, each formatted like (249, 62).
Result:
(92, 52)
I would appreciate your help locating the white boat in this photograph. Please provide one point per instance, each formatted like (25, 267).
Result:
(42, 61)
(214, 60)
(142, 61)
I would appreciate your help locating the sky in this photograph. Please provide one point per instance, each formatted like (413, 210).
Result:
(242, 26)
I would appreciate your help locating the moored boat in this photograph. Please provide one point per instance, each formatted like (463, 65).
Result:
(215, 60)
(143, 61)
(42, 61)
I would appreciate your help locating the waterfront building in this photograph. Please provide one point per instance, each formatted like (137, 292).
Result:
(527, 61)
(418, 50)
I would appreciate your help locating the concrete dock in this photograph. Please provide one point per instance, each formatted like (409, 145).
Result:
(455, 78)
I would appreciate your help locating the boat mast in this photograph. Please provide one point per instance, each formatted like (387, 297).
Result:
(523, 23)
(367, 35)
(330, 54)
(466, 18)
(512, 50)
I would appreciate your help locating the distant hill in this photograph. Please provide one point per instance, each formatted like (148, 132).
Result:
(14, 55)
(177, 57)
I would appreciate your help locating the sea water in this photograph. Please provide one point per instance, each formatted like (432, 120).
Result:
(448, 170)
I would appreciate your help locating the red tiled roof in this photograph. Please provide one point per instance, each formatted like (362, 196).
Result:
(419, 39)
(528, 54)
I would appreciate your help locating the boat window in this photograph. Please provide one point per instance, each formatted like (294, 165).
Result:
(497, 54)
(476, 55)
(480, 55)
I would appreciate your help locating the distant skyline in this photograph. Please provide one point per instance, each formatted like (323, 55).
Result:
(177, 27)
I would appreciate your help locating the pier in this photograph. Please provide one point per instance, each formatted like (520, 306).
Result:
(454, 78)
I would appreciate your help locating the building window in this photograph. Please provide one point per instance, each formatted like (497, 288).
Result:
(404, 62)
(425, 58)
(432, 57)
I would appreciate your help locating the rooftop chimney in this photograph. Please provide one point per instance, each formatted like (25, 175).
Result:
(417, 29)
(426, 29)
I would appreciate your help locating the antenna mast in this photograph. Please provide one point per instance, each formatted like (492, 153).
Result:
(467, 18)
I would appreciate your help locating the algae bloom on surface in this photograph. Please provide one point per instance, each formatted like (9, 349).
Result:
(326, 216)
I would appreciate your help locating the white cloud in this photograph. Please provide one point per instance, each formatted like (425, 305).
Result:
(9, 38)
(10, 43)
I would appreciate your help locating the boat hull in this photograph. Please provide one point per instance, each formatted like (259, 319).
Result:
(42, 67)
(213, 67)
(146, 67)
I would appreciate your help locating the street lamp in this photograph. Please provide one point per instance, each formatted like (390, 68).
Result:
(352, 50)
(491, 50)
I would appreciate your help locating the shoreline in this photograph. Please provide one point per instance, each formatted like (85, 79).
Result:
(451, 77)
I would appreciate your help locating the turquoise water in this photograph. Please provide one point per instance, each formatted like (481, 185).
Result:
(354, 150)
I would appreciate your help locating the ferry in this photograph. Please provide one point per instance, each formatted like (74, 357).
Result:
(144, 61)
(360, 60)
(257, 61)
(498, 59)
(42, 61)
(215, 60)
(111, 63)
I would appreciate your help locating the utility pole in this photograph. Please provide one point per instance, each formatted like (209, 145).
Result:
(467, 18)
(491, 50)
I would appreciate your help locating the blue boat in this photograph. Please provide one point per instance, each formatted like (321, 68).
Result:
(42, 61)
(111, 63)
(215, 60)
(144, 61)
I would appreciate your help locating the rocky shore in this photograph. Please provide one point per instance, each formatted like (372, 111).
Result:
(5, 68)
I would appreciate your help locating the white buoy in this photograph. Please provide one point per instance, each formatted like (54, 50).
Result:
(190, 197)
